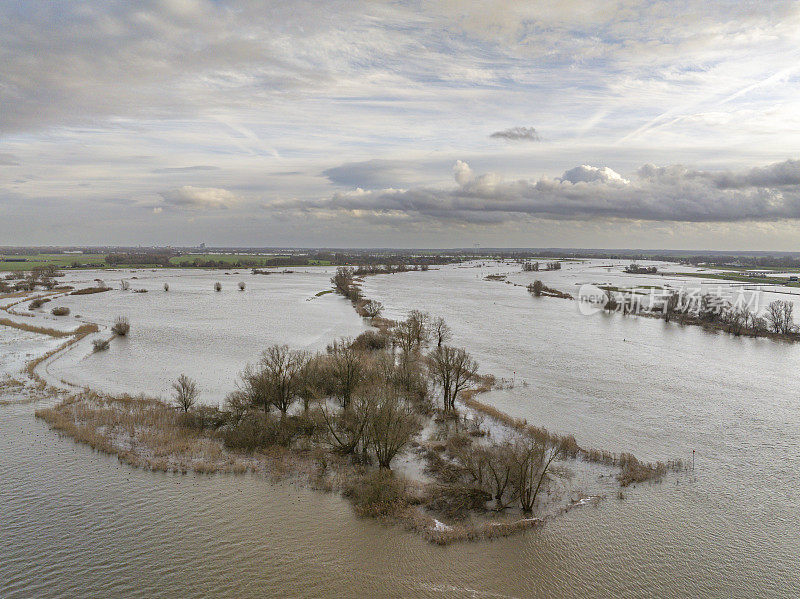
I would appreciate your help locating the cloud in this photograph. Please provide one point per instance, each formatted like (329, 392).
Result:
(591, 174)
(673, 194)
(200, 198)
(370, 174)
(517, 134)
(8, 159)
(184, 169)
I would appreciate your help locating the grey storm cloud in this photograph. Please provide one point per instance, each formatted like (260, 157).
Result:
(517, 134)
(673, 193)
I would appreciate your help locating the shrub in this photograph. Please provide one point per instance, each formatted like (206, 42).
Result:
(203, 418)
(121, 326)
(89, 290)
(124, 285)
(166, 286)
(38, 302)
(217, 286)
(256, 430)
(241, 285)
(455, 501)
(60, 311)
(100, 344)
(370, 341)
(378, 493)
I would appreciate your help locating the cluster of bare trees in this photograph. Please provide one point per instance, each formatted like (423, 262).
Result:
(535, 266)
(362, 397)
(39, 276)
(778, 317)
(512, 471)
(530, 267)
(388, 269)
(372, 413)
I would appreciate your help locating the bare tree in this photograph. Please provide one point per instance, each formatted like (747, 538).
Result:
(166, 286)
(347, 428)
(275, 381)
(124, 285)
(670, 304)
(347, 369)
(343, 280)
(611, 303)
(441, 331)
(392, 426)
(780, 316)
(412, 333)
(185, 393)
(311, 381)
(418, 322)
(241, 285)
(453, 369)
(372, 308)
(536, 287)
(217, 286)
(532, 458)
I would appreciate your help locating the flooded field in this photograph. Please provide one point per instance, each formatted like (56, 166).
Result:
(80, 523)
(195, 330)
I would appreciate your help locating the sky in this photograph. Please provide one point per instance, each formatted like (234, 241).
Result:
(671, 125)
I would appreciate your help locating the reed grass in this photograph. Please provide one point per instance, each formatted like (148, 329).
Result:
(631, 469)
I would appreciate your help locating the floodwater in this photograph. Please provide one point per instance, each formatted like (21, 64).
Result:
(77, 523)
(194, 330)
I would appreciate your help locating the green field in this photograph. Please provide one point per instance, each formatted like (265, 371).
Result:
(233, 258)
(60, 260)
(96, 260)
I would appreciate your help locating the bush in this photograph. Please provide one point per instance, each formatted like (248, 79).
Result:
(377, 493)
(166, 286)
(241, 285)
(204, 418)
(121, 326)
(100, 344)
(217, 286)
(456, 501)
(256, 430)
(60, 311)
(38, 303)
(89, 290)
(124, 285)
(370, 341)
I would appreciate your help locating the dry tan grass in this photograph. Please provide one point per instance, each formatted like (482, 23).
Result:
(147, 433)
(81, 330)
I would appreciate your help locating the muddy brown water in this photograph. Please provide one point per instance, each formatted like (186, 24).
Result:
(75, 523)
